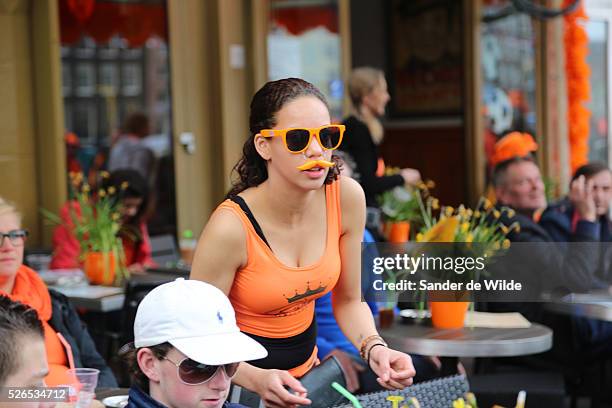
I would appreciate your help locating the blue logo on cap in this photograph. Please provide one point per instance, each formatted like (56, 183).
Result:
(219, 317)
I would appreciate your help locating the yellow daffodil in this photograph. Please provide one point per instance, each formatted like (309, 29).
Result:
(124, 185)
(465, 226)
(435, 203)
(86, 188)
(511, 213)
(105, 174)
(112, 190)
(443, 231)
(477, 214)
(419, 237)
(459, 403)
(496, 214)
(506, 244)
(448, 211)
(487, 204)
(102, 193)
(505, 230)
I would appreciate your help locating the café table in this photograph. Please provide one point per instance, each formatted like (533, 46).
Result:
(594, 305)
(450, 344)
(94, 298)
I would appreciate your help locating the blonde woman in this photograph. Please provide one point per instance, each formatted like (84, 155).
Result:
(66, 338)
(364, 132)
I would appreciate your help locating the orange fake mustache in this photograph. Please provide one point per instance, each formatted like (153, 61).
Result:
(316, 163)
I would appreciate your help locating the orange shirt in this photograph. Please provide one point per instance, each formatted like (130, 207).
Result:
(277, 301)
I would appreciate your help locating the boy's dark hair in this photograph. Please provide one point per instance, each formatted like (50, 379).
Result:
(136, 375)
(589, 170)
(498, 177)
(16, 322)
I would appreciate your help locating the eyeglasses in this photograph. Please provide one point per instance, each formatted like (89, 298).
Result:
(16, 237)
(298, 139)
(193, 373)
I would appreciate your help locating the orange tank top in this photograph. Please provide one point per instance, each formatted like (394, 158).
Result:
(277, 301)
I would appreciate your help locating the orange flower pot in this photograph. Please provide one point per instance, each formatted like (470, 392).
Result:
(448, 315)
(399, 232)
(95, 268)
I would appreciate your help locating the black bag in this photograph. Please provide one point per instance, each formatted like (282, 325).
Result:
(317, 381)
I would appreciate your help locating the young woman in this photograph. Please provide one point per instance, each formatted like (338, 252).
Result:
(289, 233)
(134, 233)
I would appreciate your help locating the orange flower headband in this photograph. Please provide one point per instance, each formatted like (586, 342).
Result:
(514, 144)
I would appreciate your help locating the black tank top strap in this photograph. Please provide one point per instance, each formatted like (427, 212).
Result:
(247, 211)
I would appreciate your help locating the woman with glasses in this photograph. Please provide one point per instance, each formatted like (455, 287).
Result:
(290, 232)
(186, 348)
(66, 338)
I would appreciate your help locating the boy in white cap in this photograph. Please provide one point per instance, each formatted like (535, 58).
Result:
(187, 347)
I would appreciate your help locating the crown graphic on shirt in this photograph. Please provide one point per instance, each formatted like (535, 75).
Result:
(308, 292)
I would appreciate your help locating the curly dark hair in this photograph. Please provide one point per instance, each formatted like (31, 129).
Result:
(251, 169)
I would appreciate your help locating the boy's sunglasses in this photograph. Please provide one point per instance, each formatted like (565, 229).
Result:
(298, 139)
(193, 373)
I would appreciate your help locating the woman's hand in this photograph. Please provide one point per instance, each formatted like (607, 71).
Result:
(137, 269)
(394, 368)
(270, 385)
(411, 176)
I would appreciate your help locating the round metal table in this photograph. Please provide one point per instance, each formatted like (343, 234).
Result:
(450, 344)
(596, 304)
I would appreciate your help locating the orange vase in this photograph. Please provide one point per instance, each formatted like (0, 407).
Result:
(96, 269)
(399, 232)
(448, 315)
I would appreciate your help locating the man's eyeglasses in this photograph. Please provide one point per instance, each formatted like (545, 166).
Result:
(191, 372)
(15, 237)
(297, 140)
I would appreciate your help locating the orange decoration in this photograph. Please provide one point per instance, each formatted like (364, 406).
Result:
(81, 9)
(134, 22)
(578, 92)
(514, 144)
(448, 315)
(95, 268)
(399, 232)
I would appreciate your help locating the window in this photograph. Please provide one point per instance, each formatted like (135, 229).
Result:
(304, 42)
(509, 76)
(598, 30)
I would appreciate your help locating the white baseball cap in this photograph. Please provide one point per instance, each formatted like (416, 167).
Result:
(196, 318)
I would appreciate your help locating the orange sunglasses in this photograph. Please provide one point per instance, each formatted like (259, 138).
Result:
(297, 140)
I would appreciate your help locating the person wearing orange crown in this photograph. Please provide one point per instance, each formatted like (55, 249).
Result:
(289, 232)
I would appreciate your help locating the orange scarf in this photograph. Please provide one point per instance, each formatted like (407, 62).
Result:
(30, 289)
